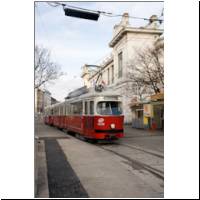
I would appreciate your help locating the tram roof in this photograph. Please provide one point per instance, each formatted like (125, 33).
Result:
(54, 105)
(89, 95)
(94, 94)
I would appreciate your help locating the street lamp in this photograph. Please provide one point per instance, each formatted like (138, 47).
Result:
(81, 14)
(74, 11)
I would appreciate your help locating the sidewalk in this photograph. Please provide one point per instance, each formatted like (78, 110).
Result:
(42, 133)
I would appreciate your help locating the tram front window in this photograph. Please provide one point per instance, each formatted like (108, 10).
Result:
(109, 108)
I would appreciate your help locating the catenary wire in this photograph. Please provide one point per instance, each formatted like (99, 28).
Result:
(107, 14)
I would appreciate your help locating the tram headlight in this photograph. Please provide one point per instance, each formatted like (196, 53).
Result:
(112, 126)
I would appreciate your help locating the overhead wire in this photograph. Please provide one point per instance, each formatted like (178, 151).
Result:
(107, 14)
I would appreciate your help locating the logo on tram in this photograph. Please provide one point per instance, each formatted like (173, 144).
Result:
(101, 122)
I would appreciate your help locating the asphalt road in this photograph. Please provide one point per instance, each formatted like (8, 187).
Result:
(132, 167)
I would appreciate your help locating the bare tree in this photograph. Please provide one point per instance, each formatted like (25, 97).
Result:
(45, 69)
(147, 71)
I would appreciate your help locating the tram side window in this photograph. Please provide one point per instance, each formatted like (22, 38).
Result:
(60, 110)
(77, 108)
(63, 106)
(91, 107)
(80, 107)
(67, 109)
(56, 111)
(86, 108)
(71, 108)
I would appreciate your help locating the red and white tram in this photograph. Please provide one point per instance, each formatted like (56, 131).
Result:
(96, 116)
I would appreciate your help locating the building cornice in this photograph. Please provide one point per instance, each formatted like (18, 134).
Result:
(125, 30)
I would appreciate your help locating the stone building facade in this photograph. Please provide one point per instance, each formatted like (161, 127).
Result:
(39, 101)
(47, 98)
(125, 44)
(43, 99)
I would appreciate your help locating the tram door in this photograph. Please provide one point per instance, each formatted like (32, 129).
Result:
(89, 117)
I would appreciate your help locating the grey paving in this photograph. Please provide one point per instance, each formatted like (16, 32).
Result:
(62, 180)
(132, 167)
(146, 139)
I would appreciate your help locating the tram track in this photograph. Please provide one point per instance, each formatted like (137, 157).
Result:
(146, 151)
(153, 153)
(135, 164)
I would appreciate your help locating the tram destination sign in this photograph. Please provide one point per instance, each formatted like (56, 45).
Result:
(110, 98)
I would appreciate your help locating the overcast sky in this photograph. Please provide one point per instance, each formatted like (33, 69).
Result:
(74, 42)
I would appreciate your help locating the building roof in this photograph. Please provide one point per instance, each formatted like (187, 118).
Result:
(158, 96)
(125, 30)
